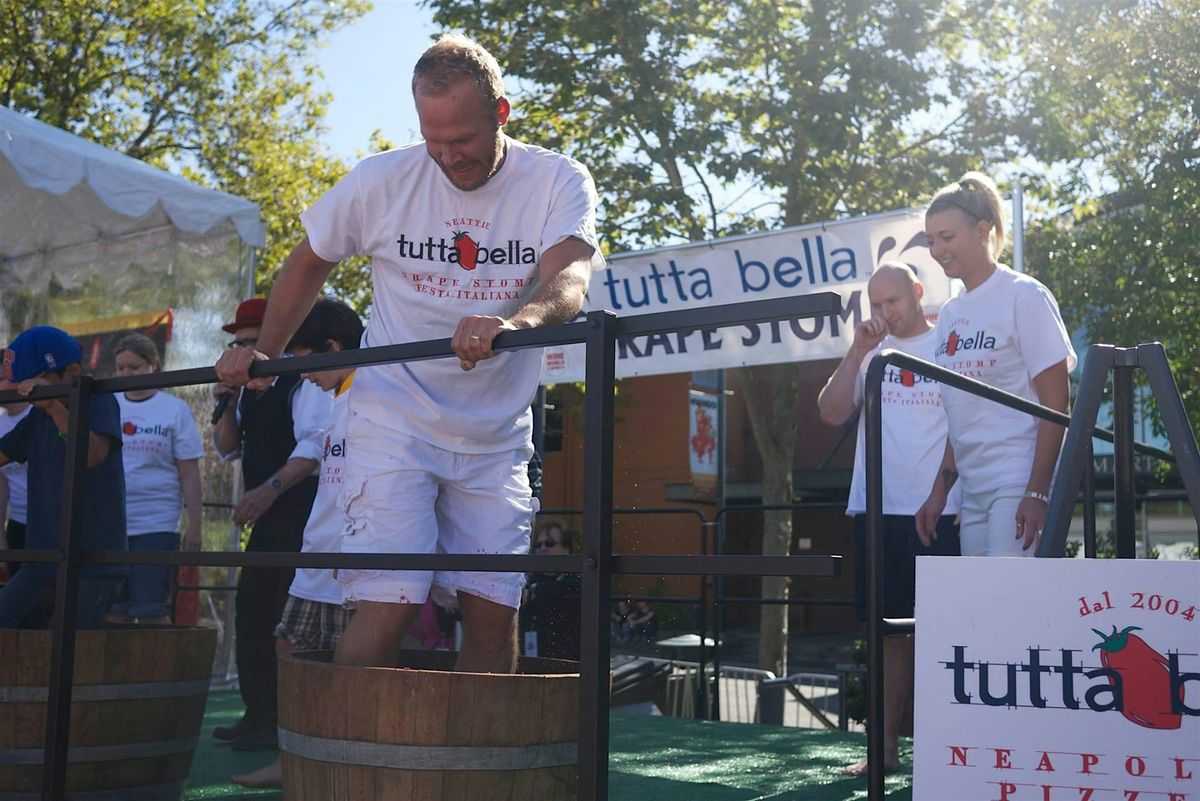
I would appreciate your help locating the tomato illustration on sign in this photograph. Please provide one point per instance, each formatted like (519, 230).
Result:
(1145, 678)
(467, 248)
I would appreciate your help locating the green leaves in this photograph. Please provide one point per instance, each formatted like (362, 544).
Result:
(219, 90)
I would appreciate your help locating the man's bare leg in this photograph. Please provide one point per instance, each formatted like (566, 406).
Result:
(897, 689)
(489, 636)
(374, 633)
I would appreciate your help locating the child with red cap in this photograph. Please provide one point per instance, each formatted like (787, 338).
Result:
(47, 356)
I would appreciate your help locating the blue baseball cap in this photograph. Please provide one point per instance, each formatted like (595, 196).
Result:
(37, 350)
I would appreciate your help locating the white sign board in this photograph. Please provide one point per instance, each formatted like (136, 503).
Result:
(834, 256)
(1057, 680)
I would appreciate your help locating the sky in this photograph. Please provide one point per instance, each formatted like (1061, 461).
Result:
(367, 67)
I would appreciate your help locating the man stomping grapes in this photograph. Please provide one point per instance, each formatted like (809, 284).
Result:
(470, 233)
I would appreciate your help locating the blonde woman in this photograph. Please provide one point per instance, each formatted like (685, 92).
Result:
(1005, 330)
(162, 450)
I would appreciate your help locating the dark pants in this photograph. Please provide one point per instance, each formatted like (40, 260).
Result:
(14, 532)
(261, 594)
(148, 587)
(27, 600)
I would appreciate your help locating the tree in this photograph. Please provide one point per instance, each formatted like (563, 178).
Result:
(222, 92)
(1113, 97)
(700, 119)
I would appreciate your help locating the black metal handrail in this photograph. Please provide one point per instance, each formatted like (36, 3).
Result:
(597, 564)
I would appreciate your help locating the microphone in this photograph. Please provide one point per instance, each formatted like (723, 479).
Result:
(222, 405)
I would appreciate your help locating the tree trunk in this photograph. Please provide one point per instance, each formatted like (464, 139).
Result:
(769, 395)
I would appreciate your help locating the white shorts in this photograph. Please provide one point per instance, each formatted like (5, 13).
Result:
(403, 495)
(989, 524)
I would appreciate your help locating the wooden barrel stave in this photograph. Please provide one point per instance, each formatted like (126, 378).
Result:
(139, 743)
(491, 713)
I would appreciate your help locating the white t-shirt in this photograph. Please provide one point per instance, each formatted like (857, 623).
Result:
(15, 473)
(439, 254)
(1004, 332)
(155, 433)
(914, 433)
(327, 520)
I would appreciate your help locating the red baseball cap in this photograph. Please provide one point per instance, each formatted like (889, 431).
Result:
(250, 314)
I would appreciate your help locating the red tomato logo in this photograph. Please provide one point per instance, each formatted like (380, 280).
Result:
(952, 343)
(467, 248)
(128, 429)
(1145, 678)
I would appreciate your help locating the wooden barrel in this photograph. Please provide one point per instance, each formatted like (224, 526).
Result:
(422, 731)
(136, 711)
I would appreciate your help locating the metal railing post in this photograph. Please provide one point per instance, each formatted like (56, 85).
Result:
(596, 584)
(873, 409)
(66, 593)
(1125, 512)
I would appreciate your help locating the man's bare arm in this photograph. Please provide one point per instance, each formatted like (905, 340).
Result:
(563, 275)
(292, 297)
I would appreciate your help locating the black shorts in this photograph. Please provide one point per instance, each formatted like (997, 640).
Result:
(901, 547)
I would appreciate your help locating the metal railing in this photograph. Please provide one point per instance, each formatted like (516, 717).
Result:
(597, 564)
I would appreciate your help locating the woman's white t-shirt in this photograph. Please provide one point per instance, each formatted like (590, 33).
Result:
(439, 254)
(1004, 332)
(327, 520)
(155, 433)
(914, 432)
(15, 473)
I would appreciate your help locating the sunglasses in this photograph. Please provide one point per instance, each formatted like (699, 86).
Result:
(540, 544)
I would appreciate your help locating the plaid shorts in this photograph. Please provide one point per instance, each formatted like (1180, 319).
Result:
(312, 625)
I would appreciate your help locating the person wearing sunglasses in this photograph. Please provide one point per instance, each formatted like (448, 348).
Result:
(550, 615)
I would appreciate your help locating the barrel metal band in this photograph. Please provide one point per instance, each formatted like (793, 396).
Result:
(155, 792)
(108, 692)
(102, 753)
(428, 757)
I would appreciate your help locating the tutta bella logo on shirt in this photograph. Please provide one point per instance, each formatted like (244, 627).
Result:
(955, 342)
(466, 251)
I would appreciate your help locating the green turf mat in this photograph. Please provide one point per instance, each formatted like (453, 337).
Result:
(652, 759)
(215, 761)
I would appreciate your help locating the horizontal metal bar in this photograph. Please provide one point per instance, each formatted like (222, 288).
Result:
(951, 378)
(569, 333)
(755, 311)
(750, 599)
(39, 393)
(502, 563)
(665, 565)
(653, 565)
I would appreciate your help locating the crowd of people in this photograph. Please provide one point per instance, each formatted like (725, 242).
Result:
(432, 456)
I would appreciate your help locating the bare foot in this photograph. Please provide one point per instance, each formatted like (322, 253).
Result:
(859, 768)
(270, 776)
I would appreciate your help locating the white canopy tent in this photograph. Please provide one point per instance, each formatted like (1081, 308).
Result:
(88, 234)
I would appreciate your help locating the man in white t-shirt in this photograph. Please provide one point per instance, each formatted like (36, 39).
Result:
(470, 233)
(914, 438)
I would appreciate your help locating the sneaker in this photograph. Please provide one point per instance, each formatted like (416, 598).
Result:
(260, 740)
(230, 732)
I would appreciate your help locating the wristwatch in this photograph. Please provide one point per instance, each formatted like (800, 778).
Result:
(275, 483)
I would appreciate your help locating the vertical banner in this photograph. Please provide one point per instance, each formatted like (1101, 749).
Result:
(1057, 679)
(703, 437)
